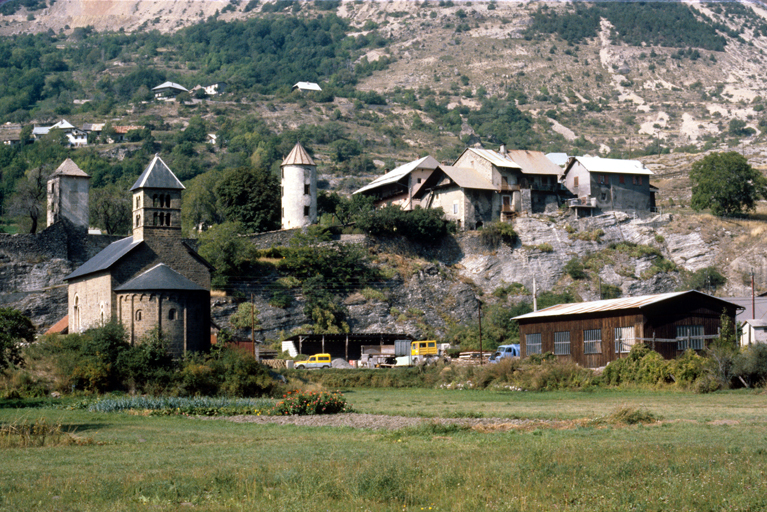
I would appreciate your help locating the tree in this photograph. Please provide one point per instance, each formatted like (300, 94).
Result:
(250, 197)
(30, 197)
(14, 328)
(200, 208)
(726, 183)
(244, 317)
(110, 209)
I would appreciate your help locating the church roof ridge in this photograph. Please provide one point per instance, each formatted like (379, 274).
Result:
(160, 277)
(157, 175)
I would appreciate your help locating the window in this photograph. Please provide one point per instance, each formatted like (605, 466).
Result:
(624, 339)
(639, 179)
(562, 343)
(420, 180)
(154, 221)
(533, 343)
(172, 314)
(306, 211)
(138, 220)
(282, 191)
(307, 190)
(138, 201)
(455, 207)
(154, 200)
(601, 179)
(603, 196)
(690, 336)
(592, 341)
(167, 219)
(138, 315)
(575, 181)
(621, 179)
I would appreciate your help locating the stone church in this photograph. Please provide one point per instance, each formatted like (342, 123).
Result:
(151, 279)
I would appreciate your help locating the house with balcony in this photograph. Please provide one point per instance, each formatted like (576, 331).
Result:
(525, 181)
(608, 184)
(75, 136)
(397, 186)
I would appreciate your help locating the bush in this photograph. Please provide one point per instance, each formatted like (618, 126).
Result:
(751, 365)
(574, 268)
(309, 403)
(419, 225)
(492, 234)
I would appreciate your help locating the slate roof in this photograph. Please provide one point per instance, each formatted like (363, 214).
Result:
(69, 168)
(106, 258)
(400, 172)
(160, 277)
(157, 175)
(495, 158)
(298, 156)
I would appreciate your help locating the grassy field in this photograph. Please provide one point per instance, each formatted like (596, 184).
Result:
(710, 453)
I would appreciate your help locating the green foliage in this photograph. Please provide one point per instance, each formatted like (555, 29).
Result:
(194, 406)
(110, 209)
(230, 253)
(500, 121)
(545, 247)
(574, 268)
(493, 233)
(15, 328)
(419, 225)
(245, 317)
(704, 279)
(751, 365)
(251, 198)
(722, 353)
(636, 24)
(726, 183)
(644, 366)
(610, 291)
(514, 289)
(310, 403)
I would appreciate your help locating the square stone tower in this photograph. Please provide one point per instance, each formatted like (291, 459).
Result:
(68, 195)
(156, 203)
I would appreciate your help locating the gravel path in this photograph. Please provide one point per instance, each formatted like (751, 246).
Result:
(381, 421)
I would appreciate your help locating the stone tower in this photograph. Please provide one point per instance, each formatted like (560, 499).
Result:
(156, 203)
(298, 189)
(68, 195)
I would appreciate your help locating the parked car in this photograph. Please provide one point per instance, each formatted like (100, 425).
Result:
(505, 351)
(315, 361)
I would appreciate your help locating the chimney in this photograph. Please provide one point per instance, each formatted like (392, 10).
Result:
(503, 149)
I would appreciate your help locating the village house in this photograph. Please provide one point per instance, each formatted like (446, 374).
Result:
(307, 87)
(168, 90)
(10, 134)
(75, 136)
(212, 89)
(607, 184)
(595, 333)
(398, 186)
(150, 280)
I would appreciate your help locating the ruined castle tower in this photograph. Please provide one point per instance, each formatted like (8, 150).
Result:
(298, 189)
(68, 195)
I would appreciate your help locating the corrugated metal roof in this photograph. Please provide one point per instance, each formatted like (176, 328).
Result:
(467, 178)
(598, 306)
(495, 158)
(612, 165)
(298, 156)
(160, 277)
(157, 175)
(170, 85)
(307, 86)
(534, 162)
(69, 168)
(400, 172)
(106, 258)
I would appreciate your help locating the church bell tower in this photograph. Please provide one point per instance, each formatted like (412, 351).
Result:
(156, 203)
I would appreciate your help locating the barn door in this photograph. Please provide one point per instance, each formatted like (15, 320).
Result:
(624, 339)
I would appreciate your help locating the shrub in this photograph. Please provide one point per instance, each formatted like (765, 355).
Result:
(574, 268)
(545, 247)
(492, 234)
(751, 365)
(628, 415)
(309, 403)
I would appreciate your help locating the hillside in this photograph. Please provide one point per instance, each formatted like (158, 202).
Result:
(402, 80)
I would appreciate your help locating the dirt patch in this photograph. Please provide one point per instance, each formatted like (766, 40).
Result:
(385, 422)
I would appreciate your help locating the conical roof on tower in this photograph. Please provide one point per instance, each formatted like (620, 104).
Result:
(69, 168)
(157, 175)
(298, 156)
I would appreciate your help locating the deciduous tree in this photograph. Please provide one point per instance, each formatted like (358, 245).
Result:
(14, 328)
(110, 209)
(726, 183)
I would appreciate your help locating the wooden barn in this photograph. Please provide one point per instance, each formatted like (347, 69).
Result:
(594, 333)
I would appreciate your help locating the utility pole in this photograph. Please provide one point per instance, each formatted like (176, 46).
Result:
(253, 325)
(535, 296)
(481, 353)
(753, 300)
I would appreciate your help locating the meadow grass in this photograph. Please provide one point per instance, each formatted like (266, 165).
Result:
(699, 460)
